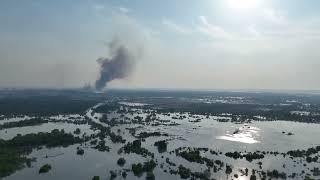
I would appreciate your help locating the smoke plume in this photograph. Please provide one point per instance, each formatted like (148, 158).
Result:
(119, 65)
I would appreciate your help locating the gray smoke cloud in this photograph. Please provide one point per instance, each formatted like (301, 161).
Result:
(117, 66)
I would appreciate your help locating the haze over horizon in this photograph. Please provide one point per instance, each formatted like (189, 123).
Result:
(210, 44)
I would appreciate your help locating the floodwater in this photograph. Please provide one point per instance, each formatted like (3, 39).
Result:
(207, 132)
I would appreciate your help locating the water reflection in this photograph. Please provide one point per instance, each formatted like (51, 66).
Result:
(243, 178)
(246, 134)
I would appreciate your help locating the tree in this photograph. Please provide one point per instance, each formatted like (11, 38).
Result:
(121, 161)
(45, 168)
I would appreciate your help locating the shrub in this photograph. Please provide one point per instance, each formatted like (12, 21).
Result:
(45, 168)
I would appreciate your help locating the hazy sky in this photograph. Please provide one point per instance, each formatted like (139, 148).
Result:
(198, 44)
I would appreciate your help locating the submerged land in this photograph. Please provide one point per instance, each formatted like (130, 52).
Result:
(140, 134)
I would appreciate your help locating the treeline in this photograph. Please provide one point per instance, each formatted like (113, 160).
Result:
(13, 152)
(54, 138)
(44, 105)
(31, 122)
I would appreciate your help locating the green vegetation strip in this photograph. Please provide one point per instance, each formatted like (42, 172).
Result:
(13, 152)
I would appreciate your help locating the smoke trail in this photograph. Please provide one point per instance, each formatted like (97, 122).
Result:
(117, 66)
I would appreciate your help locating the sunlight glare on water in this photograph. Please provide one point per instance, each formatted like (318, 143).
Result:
(245, 134)
(243, 178)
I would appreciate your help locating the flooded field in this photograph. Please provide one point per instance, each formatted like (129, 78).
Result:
(162, 144)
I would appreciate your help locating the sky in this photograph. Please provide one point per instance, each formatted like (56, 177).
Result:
(185, 44)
